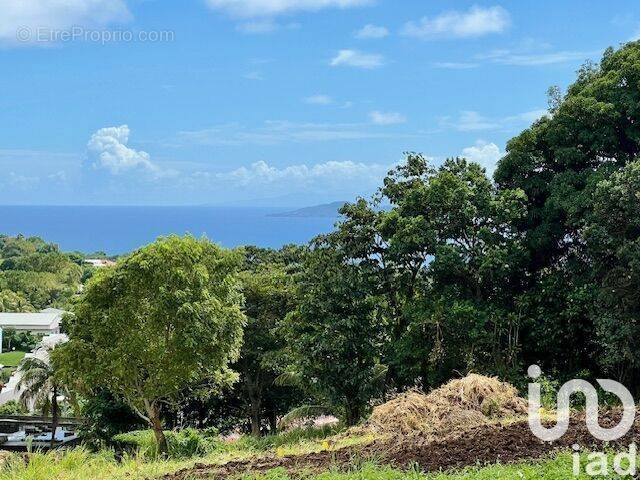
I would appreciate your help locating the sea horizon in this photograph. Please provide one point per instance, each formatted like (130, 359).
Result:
(118, 229)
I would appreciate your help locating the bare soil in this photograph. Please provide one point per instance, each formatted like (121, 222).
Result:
(484, 444)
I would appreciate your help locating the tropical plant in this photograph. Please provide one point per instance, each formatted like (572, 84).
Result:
(40, 388)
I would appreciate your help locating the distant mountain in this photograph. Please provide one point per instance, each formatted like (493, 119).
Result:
(324, 210)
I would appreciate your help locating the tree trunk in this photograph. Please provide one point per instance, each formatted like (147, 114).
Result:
(273, 422)
(156, 425)
(255, 416)
(55, 414)
(352, 413)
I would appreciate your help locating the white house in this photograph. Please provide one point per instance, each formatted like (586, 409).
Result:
(100, 262)
(46, 321)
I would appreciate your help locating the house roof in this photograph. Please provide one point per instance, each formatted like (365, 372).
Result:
(36, 320)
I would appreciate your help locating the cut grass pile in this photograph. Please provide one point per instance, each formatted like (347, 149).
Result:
(456, 406)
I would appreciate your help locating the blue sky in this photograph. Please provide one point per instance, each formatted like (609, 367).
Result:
(277, 102)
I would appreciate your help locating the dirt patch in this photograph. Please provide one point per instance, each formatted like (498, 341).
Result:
(456, 406)
(483, 444)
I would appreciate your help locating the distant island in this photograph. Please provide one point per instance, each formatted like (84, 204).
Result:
(324, 210)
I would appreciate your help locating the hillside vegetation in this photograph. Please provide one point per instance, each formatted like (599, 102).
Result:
(413, 322)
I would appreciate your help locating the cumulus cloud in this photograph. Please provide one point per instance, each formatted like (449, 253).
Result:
(20, 20)
(355, 58)
(387, 118)
(475, 22)
(260, 8)
(486, 154)
(371, 31)
(328, 174)
(107, 150)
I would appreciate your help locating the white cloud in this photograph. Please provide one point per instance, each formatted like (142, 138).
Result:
(262, 8)
(258, 27)
(265, 25)
(22, 182)
(475, 22)
(108, 150)
(470, 120)
(319, 99)
(528, 117)
(386, 118)
(355, 58)
(275, 132)
(371, 31)
(455, 65)
(533, 59)
(296, 176)
(486, 154)
(22, 20)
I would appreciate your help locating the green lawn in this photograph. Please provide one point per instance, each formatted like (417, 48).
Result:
(11, 359)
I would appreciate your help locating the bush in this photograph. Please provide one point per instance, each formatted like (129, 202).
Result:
(185, 443)
(12, 408)
(104, 417)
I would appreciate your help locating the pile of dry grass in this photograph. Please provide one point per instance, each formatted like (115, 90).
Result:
(459, 405)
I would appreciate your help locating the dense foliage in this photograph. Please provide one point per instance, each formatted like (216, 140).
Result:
(35, 275)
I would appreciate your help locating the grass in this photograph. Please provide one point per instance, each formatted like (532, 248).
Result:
(11, 359)
(556, 468)
(79, 464)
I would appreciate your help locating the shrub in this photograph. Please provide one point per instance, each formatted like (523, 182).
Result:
(12, 408)
(182, 444)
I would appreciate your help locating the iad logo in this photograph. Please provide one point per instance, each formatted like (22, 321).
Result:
(563, 413)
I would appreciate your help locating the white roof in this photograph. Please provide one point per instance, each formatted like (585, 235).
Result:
(47, 320)
(52, 310)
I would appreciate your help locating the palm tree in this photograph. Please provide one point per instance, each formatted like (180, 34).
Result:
(38, 387)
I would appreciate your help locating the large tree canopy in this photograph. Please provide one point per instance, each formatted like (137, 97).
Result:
(164, 319)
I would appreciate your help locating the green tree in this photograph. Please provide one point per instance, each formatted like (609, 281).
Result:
(14, 302)
(165, 319)
(446, 257)
(559, 162)
(612, 236)
(336, 333)
(269, 293)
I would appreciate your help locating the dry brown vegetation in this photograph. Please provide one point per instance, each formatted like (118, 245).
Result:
(456, 406)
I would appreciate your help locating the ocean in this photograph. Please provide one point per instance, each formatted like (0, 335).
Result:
(117, 230)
